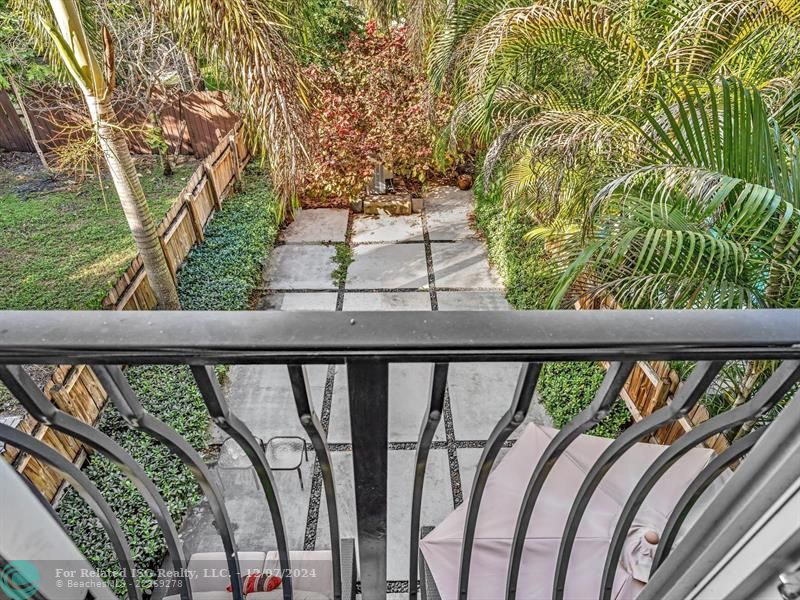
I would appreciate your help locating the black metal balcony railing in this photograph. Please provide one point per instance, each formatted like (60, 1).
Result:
(367, 343)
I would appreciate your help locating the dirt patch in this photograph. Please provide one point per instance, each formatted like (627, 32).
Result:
(401, 185)
(23, 175)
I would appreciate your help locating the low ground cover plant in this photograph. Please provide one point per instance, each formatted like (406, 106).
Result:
(220, 273)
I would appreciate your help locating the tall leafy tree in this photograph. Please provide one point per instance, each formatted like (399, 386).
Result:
(249, 38)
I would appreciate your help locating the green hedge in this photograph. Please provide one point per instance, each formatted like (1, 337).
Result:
(522, 264)
(218, 275)
(565, 388)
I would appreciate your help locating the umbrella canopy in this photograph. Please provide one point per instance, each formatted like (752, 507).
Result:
(501, 503)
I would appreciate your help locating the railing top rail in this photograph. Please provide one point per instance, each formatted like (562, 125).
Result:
(324, 337)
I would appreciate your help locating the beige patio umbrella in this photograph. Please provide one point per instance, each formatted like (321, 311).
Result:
(501, 504)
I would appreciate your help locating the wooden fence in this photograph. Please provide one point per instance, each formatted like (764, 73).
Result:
(191, 123)
(650, 386)
(13, 135)
(74, 388)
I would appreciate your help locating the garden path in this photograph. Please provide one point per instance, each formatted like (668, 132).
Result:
(428, 261)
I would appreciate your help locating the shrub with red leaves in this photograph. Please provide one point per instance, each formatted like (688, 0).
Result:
(372, 105)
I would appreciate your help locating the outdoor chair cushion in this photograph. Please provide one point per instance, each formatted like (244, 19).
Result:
(278, 595)
(312, 574)
(205, 596)
(258, 582)
(312, 570)
(209, 570)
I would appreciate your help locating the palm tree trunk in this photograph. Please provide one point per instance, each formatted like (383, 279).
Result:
(134, 204)
(777, 272)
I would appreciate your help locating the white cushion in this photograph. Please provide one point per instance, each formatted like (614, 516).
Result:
(223, 595)
(312, 570)
(278, 595)
(209, 570)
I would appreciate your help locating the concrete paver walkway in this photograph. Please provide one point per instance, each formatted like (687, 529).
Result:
(428, 261)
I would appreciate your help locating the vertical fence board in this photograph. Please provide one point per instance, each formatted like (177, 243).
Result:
(13, 133)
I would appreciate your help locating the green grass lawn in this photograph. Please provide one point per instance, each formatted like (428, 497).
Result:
(62, 246)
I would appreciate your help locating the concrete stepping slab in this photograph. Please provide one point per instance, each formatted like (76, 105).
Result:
(386, 228)
(409, 388)
(463, 264)
(448, 211)
(480, 393)
(472, 301)
(261, 396)
(299, 267)
(387, 301)
(247, 508)
(298, 301)
(388, 266)
(437, 502)
(317, 225)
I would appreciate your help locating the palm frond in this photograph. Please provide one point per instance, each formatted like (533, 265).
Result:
(710, 219)
(36, 19)
(566, 133)
(249, 39)
(455, 36)
(749, 37)
(382, 11)
(512, 33)
(423, 17)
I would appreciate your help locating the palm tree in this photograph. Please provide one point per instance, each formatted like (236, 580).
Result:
(249, 38)
(550, 92)
(709, 217)
(253, 43)
(96, 82)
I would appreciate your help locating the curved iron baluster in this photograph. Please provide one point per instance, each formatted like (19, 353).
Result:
(135, 415)
(523, 396)
(433, 416)
(86, 490)
(34, 401)
(218, 409)
(699, 485)
(604, 398)
(319, 439)
(770, 394)
(687, 396)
